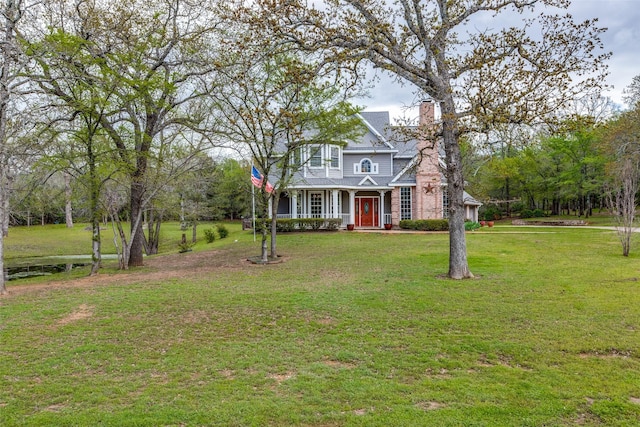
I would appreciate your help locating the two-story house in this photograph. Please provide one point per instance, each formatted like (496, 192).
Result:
(382, 179)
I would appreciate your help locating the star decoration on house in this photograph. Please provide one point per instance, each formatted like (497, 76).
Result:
(428, 188)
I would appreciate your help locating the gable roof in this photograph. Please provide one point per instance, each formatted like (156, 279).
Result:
(377, 123)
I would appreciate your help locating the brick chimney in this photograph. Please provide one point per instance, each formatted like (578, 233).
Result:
(428, 173)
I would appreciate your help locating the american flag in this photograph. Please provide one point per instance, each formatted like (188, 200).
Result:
(257, 178)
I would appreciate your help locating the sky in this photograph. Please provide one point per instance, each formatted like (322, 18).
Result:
(622, 39)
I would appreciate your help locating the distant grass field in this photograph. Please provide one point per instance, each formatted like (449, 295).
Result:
(352, 329)
(58, 240)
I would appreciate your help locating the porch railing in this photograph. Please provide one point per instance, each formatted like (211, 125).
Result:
(345, 218)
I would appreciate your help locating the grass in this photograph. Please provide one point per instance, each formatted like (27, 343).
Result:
(26, 243)
(352, 329)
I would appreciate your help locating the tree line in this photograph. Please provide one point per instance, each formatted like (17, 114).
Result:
(570, 169)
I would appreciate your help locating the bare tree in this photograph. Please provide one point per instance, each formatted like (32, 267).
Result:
(10, 80)
(480, 74)
(622, 200)
(621, 141)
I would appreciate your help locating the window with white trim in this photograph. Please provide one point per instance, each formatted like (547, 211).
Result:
(334, 161)
(296, 158)
(315, 156)
(365, 167)
(405, 203)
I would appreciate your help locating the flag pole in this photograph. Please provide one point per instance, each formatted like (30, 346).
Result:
(253, 208)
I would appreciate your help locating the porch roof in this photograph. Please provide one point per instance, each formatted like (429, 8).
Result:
(373, 182)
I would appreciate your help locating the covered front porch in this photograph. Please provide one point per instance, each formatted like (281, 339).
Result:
(363, 209)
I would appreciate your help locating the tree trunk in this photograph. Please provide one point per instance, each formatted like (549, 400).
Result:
(264, 229)
(458, 265)
(11, 14)
(136, 244)
(153, 230)
(96, 254)
(68, 211)
(119, 235)
(5, 189)
(274, 227)
(3, 212)
(4, 217)
(264, 254)
(194, 231)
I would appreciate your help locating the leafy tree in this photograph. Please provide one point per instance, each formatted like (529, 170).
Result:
(480, 76)
(192, 188)
(275, 103)
(579, 166)
(230, 191)
(68, 72)
(153, 58)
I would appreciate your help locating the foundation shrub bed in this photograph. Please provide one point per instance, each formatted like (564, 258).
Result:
(307, 224)
(425, 224)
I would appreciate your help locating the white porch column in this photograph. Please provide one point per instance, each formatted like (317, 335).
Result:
(352, 207)
(270, 206)
(381, 209)
(334, 204)
(294, 204)
(305, 202)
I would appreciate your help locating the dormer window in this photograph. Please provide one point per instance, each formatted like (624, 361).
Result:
(366, 166)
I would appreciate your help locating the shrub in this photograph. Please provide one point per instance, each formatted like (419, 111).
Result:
(526, 213)
(302, 224)
(539, 213)
(490, 212)
(535, 213)
(209, 235)
(305, 224)
(316, 223)
(425, 224)
(185, 247)
(333, 223)
(471, 225)
(223, 231)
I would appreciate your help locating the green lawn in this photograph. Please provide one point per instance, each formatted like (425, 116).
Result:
(356, 329)
(26, 243)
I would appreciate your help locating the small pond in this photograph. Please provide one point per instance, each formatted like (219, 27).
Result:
(46, 266)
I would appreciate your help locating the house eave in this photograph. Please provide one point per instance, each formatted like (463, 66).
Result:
(369, 151)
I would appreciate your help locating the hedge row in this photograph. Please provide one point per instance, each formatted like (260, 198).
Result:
(425, 224)
(306, 224)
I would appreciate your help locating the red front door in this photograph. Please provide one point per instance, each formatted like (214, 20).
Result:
(367, 212)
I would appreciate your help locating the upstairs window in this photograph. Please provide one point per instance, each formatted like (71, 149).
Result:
(365, 167)
(315, 156)
(334, 161)
(295, 161)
